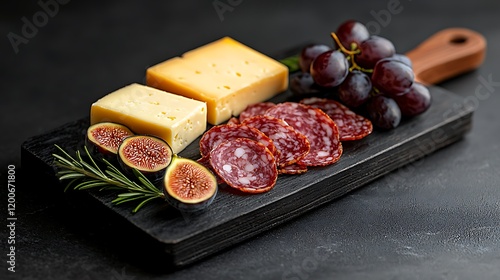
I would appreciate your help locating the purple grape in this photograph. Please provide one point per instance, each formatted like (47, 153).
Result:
(384, 112)
(414, 102)
(352, 31)
(329, 69)
(355, 90)
(309, 53)
(303, 83)
(392, 77)
(402, 58)
(372, 50)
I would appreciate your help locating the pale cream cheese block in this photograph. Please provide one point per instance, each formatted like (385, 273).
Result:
(176, 119)
(225, 74)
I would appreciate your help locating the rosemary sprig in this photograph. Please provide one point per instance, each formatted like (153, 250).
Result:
(83, 175)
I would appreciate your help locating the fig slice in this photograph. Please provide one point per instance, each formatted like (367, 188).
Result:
(103, 139)
(148, 154)
(188, 185)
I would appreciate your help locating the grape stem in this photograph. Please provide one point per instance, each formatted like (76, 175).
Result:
(375, 91)
(342, 48)
(350, 53)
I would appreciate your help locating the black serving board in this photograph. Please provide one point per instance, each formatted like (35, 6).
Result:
(234, 217)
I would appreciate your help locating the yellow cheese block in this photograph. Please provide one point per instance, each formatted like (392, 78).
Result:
(225, 74)
(145, 110)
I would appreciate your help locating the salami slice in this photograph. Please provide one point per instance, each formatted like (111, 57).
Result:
(205, 161)
(233, 120)
(320, 130)
(245, 164)
(351, 125)
(293, 169)
(217, 134)
(291, 144)
(255, 110)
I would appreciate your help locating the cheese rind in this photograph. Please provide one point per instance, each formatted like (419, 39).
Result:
(145, 110)
(225, 74)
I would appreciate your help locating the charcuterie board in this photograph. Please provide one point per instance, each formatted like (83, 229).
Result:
(234, 217)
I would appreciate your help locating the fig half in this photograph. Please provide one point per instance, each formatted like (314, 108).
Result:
(188, 185)
(103, 139)
(150, 155)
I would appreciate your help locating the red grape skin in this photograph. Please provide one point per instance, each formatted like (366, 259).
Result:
(392, 77)
(355, 90)
(309, 53)
(329, 69)
(374, 49)
(414, 102)
(384, 112)
(352, 31)
(303, 83)
(402, 58)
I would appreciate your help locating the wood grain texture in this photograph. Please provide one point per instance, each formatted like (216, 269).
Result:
(446, 54)
(235, 217)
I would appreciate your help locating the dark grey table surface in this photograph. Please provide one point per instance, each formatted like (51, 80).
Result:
(436, 219)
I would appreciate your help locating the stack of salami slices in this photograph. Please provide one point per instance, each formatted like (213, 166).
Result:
(248, 153)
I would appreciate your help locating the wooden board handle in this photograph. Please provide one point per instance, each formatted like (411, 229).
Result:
(446, 54)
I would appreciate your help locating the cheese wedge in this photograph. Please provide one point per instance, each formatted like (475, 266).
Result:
(225, 74)
(145, 110)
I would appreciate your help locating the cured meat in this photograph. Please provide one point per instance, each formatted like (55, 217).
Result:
(351, 125)
(220, 133)
(255, 110)
(293, 169)
(291, 144)
(245, 164)
(233, 120)
(320, 130)
(205, 161)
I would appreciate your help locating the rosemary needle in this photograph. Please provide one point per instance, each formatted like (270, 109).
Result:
(83, 175)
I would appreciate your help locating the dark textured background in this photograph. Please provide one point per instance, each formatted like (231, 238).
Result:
(438, 219)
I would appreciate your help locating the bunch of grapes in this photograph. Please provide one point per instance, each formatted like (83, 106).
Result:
(368, 74)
